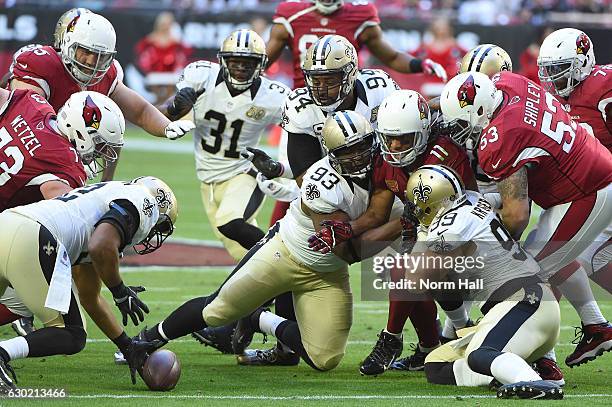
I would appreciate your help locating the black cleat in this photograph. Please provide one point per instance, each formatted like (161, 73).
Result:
(540, 389)
(269, 357)
(219, 337)
(245, 329)
(7, 377)
(412, 363)
(385, 351)
(23, 326)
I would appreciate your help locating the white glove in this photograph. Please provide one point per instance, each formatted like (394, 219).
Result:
(276, 190)
(178, 129)
(433, 68)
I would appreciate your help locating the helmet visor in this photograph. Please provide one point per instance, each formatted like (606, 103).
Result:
(400, 150)
(555, 76)
(89, 64)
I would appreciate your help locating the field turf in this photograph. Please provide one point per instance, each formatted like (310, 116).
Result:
(209, 378)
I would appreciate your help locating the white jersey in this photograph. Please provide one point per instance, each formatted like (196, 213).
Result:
(225, 125)
(323, 191)
(302, 116)
(72, 217)
(502, 259)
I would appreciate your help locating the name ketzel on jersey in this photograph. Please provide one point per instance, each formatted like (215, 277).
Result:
(29, 140)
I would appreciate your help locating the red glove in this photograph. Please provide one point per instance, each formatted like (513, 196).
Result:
(433, 68)
(332, 234)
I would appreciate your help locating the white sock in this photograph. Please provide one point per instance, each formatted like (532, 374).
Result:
(510, 368)
(459, 316)
(551, 355)
(578, 292)
(17, 348)
(448, 330)
(268, 322)
(399, 336)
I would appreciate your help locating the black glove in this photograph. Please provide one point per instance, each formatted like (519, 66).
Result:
(138, 352)
(410, 224)
(183, 102)
(269, 167)
(126, 299)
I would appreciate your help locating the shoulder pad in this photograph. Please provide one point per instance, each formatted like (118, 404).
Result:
(451, 230)
(321, 189)
(197, 75)
(301, 115)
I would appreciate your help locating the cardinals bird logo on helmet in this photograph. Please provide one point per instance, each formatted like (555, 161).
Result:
(583, 44)
(423, 108)
(467, 92)
(71, 24)
(91, 113)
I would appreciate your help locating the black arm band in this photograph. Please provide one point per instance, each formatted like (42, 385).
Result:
(303, 150)
(118, 291)
(416, 65)
(124, 217)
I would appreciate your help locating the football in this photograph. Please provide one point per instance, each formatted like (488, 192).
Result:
(162, 370)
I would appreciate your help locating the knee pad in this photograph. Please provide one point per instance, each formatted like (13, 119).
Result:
(79, 338)
(325, 362)
(233, 230)
(480, 360)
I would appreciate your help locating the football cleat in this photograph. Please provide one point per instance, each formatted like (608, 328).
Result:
(592, 341)
(7, 377)
(245, 329)
(219, 337)
(275, 356)
(539, 389)
(119, 358)
(549, 371)
(23, 326)
(387, 348)
(412, 363)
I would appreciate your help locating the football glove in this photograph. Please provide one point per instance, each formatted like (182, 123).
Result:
(276, 190)
(332, 234)
(178, 129)
(183, 102)
(410, 225)
(126, 299)
(433, 68)
(265, 164)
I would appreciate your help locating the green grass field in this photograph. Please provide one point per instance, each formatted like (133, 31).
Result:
(209, 378)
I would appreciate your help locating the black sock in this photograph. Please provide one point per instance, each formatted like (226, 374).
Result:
(122, 342)
(184, 320)
(4, 354)
(288, 333)
(283, 306)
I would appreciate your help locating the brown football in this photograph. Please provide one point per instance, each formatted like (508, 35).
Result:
(162, 370)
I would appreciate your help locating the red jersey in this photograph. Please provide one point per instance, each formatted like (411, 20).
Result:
(31, 151)
(305, 25)
(449, 58)
(443, 152)
(43, 67)
(564, 163)
(590, 104)
(153, 57)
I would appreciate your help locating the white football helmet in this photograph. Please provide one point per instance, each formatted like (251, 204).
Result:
(62, 24)
(467, 103)
(168, 213)
(403, 118)
(328, 6)
(94, 124)
(332, 56)
(566, 58)
(91, 38)
(350, 142)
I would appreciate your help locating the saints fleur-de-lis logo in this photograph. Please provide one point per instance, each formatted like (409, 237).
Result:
(440, 245)
(163, 199)
(421, 191)
(147, 207)
(312, 192)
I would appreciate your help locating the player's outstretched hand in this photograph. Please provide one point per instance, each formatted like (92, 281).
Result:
(178, 129)
(332, 234)
(126, 299)
(433, 68)
(269, 167)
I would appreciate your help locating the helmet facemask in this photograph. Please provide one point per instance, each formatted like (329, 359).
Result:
(156, 237)
(354, 158)
(82, 71)
(322, 84)
(328, 6)
(559, 77)
(101, 156)
(400, 150)
(240, 70)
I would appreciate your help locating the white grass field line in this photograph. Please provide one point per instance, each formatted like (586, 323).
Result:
(310, 398)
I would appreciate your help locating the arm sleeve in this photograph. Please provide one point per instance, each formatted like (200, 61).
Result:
(124, 216)
(303, 150)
